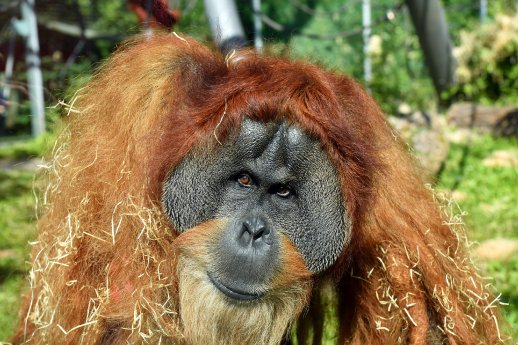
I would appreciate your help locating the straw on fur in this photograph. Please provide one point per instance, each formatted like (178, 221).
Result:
(106, 264)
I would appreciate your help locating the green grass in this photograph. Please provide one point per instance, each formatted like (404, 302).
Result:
(10, 302)
(491, 193)
(491, 199)
(22, 148)
(17, 227)
(505, 276)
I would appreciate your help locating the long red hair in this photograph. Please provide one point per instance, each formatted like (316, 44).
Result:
(405, 276)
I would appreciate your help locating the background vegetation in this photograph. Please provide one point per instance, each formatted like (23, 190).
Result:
(487, 73)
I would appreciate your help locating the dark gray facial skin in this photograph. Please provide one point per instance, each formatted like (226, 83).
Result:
(271, 179)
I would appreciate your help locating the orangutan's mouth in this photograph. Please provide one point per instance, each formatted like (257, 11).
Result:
(233, 292)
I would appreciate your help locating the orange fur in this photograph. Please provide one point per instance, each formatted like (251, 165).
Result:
(105, 266)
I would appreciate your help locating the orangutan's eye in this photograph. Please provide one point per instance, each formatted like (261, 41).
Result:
(245, 180)
(283, 191)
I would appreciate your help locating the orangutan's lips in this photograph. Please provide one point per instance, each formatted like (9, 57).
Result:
(234, 293)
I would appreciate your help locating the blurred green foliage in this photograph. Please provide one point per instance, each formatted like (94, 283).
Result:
(487, 59)
(326, 32)
(17, 228)
(489, 198)
(491, 190)
(22, 148)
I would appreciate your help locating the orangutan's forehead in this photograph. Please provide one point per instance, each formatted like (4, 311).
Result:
(276, 142)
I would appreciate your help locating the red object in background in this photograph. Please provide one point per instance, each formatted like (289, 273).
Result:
(159, 15)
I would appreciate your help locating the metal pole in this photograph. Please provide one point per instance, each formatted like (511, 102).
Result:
(483, 10)
(32, 58)
(9, 66)
(366, 23)
(258, 26)
(225, 24)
